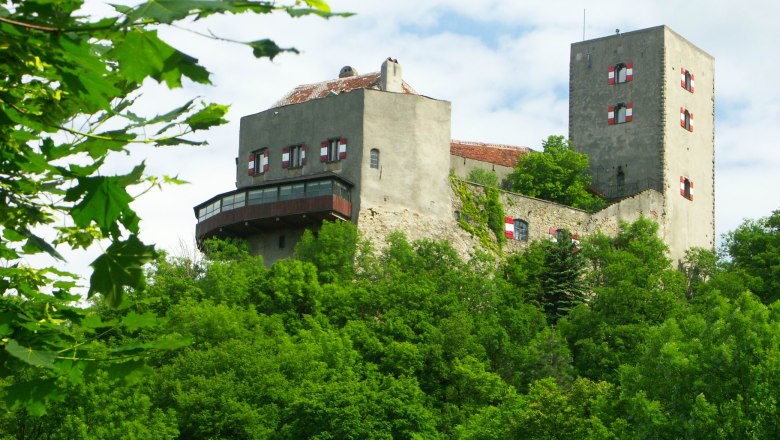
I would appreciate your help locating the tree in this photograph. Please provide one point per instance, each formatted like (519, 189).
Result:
(558, 174)
(483, 177)
(67, 104)
(754, 254)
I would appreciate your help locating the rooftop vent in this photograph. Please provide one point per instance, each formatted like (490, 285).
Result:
(347, 71)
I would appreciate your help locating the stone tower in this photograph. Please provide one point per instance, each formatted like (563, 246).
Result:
(641, 105)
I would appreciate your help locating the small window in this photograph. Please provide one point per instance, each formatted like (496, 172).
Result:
(258, 162)
(686, 119)
(620, 179)
(686, 80)
(457, 216)
(621, 73)
(374, 158)
(233, 201)
(293, 156)
(620, 113)
(333, 150)
(686, 188)
(521, 230)
(281, 242)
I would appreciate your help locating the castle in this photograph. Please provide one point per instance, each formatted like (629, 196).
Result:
(371, 150)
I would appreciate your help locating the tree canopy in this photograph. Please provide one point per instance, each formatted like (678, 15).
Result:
(69, 101)
(558, 174)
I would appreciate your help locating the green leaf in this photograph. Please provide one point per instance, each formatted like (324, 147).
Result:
(267, 48)
(209, 116)
(133, 321)
(32, 395)
(130, 371)
(119, 267)
(105, 201)
(36, 358)
(36, 244)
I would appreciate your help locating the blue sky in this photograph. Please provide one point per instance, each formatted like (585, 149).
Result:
(503, 65)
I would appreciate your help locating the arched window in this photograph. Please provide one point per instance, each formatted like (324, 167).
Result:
(374, 158)
(521, 230)
(620, 73)
(620, 113)
(686, 119)
(686, 79)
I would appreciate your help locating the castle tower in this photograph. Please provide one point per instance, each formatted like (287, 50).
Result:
(641, 105)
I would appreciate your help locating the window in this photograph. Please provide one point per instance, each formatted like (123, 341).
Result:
(233, 202)
(521, 230)
(620, 73)
(209, 211)
(686, 119)
(258, 162)
(515, 229)
(263, 195)
(294, 156)
(457, 216)
(374, 158)
(620, 113)
(281, 242)
(333, 150)
(686, 188)
(686, 80)
(620, 179)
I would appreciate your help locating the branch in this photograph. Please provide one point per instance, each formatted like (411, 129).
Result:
(37, 27)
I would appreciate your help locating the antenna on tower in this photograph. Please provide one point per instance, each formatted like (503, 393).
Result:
(583, 24)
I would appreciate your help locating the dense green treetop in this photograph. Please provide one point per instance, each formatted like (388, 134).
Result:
(558, 174)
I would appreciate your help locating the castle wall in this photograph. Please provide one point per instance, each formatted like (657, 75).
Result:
(462, 165)
(688, 154)
(412, 134)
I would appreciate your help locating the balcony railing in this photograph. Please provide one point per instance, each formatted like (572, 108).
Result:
(253, 210)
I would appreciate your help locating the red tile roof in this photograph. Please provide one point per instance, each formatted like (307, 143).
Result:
(499, 154)
(319, 90)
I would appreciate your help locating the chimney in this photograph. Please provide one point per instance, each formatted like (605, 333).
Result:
(390, 77)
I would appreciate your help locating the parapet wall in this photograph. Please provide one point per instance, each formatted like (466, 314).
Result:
(541, 216)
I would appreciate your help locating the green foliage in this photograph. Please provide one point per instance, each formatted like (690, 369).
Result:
(69, 103)
(753, 250)
(483, 177)
(332, 250)
(482, 214)
(558, 174)
(633, 287)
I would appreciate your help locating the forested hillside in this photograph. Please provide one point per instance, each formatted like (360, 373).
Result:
(603, 341)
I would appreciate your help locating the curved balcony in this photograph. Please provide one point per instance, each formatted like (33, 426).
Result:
(264, 208)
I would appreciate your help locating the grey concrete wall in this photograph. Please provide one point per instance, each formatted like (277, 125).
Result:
(267, 245)
(461, 166)
(412, 133)
(635, 146)
(308, 123)
(691, 154)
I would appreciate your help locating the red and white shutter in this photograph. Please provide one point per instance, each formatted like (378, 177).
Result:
(509, 227)
(629, 112)
(611, 115)
(303, 154)
(264, 161)
(251, 165)
(682, 78)
(682, 117)
(691, 83)
(690, 118)
(324, 151)
(630, 72)
(611, 75)
(286, 157)
(342, 148)
(553, 233)
(682, 186)
(575, 238)
(690, 183)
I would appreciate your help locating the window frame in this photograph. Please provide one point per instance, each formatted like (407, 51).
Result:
(521, 230)
(374, 158)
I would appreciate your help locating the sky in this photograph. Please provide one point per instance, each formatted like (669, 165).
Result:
(502, 64)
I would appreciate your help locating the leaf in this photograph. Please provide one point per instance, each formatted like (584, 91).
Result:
(267, 48)
(37, 244)
(36, 358)
(32, 395)
(133, 321)
(207, 117)
(130, 371)
(120, 266)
